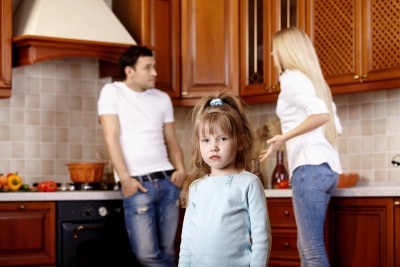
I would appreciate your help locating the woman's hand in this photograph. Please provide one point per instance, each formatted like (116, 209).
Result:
(273, 144)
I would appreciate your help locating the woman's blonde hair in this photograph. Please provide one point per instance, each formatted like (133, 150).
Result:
(293, 50)
(223, 111)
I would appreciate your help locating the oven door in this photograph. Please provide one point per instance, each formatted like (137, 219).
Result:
(95, 244)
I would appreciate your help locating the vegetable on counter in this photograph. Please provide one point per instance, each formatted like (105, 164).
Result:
(14, 181)
(47, 186)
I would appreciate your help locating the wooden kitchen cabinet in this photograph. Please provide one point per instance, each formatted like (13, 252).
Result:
(261, 19)
(5, 48)
(357, 43)
(196, 43)
(28, 234)
(210, 47)
(156, 24)
(396, 231)
(284, 233)
(364, 231)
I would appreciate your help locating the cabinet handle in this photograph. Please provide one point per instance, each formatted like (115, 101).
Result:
(266, 88)
(397, 203)
(184, 93)
(286, 213)
(7, 82)
(286, 245)
(356, 77)
(22, 207)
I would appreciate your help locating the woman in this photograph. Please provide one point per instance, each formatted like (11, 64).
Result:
(310, 129)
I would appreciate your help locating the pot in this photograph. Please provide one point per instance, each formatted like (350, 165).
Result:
(86, 172)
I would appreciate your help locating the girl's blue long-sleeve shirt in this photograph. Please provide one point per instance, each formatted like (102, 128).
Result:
(226, 223)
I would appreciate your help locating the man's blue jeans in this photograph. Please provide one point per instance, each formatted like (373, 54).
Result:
(312, 188)
(151, 220)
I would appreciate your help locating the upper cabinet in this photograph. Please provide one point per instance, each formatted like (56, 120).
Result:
(196, 43)
(156, 24)
(357, 43)
(260, 20)
(5, 48)
(210, 46)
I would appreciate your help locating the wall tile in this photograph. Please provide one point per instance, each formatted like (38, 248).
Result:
(52, 119)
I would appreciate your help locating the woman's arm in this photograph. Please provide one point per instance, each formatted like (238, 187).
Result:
(312, 122)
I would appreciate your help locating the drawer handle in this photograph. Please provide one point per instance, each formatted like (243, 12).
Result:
(22, 207)
(397, 203)
(286, 245)
(286, 213)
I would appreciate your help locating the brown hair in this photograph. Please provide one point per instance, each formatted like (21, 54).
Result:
(228, 114)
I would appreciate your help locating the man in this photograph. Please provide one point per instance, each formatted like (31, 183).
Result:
(139, 131)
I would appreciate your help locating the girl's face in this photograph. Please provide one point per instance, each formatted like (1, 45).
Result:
(218, 150)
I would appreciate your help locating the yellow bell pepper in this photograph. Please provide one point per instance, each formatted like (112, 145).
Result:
(14, 181)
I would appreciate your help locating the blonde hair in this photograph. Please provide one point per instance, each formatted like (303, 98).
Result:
(230, 117)
(293, 50)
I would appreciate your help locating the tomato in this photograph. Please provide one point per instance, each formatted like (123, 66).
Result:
(47, 186)
(283, 184)
(51, 186)
(42, 187)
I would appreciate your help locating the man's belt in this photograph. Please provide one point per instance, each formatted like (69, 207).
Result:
(154, 176)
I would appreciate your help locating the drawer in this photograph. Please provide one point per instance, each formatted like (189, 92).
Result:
(281, 213)
(284, 245)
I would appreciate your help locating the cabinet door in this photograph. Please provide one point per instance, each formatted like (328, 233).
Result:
(210, 46)
(397, 231)
(337, 36)
(261, 19)
(361, 232)
(357, 42)
(5, 48)
(27, 233)
(155, 24)
(284, 233)
(381, 40)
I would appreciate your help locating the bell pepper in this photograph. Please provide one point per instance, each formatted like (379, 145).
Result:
(14, 181)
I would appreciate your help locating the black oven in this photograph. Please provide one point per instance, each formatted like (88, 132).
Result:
(92, 233)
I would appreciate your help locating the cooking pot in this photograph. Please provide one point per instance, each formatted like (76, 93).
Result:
(86, 172)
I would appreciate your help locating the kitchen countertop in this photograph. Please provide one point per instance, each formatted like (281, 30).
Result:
(59, 196)
(362, 189)
(378, 189)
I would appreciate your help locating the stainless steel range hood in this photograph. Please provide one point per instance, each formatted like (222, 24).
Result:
(48, 29)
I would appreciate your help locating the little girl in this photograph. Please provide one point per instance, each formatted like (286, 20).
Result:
(226, 221)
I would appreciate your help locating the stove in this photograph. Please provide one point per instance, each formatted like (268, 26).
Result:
(90, 187)
(92, 233)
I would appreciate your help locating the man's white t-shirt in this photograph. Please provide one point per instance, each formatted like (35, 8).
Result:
(141, 116)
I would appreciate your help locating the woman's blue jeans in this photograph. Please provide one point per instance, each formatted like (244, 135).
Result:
(312, 188)
(151, 220)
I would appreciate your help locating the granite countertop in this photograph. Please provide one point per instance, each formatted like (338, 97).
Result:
(378, 189)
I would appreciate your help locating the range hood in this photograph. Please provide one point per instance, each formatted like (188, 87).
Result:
(49, 29)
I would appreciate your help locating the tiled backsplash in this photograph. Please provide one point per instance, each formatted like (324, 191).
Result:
(51, 119)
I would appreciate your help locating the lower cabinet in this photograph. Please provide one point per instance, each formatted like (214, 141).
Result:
(364, 231)
(359, 231)
(284, 233)
(28, 234)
